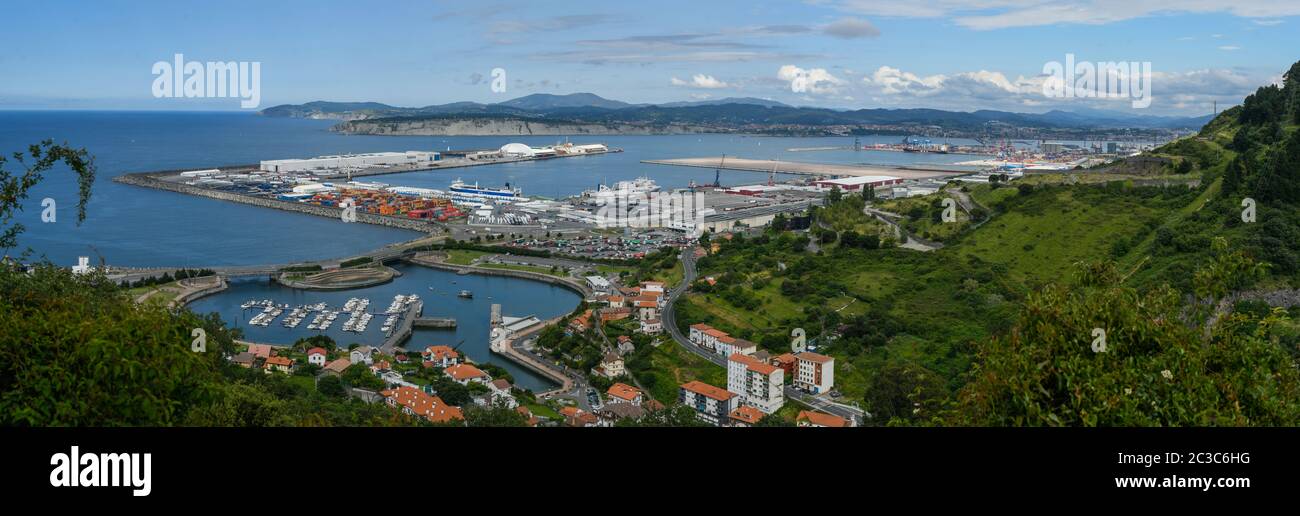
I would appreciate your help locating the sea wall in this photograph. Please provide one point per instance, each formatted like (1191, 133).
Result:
(578, 287)
(149, 180)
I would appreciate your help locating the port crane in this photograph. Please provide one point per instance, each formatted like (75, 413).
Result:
(717, 172)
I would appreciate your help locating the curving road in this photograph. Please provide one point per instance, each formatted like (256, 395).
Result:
(670, 323)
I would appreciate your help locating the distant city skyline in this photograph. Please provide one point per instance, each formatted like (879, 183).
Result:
(843, 54)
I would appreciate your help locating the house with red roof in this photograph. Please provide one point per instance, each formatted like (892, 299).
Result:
(466, 373)
(316, 356)
(278, 364)
(745, 416)
(440, 356)
(812, 418)
(623, 393)
(713, 405)
(417, 403)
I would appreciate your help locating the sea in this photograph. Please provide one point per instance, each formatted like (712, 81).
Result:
(132, 226)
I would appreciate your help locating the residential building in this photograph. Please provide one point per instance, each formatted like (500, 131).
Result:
(811, 418)
(625, 345)
(745, 416)
(726, 347)
(528, 415)
(578, 418)
(244, 359)
(440, 356)
(652, 326)
(337, 367)
(786, 362)
(712, 405)
(415, 402)
(611, 366)
(756, 383)
(316, 356)
(278, 364)
(499, 390)
(362, 355)
(613, 412)
(814, 373)
(624, 393)
(466, 373)
(262, 351)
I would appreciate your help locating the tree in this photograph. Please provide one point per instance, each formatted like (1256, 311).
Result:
(331, 385)
(772, 421)
(14, 189)
(674, 416)
(904, 392)
(1153, 370)
(498, 415)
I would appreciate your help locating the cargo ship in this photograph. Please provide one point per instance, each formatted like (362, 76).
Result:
(460, 188)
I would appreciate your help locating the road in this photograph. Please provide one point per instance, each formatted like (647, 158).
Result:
(670, 323)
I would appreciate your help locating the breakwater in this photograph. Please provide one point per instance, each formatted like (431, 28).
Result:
(149, 180)
(426, 261)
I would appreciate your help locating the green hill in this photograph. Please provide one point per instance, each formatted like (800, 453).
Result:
(996, 328)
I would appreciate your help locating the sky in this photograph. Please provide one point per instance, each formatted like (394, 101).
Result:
(843, 54)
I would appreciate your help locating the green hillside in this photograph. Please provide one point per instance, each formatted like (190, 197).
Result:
(996, 328)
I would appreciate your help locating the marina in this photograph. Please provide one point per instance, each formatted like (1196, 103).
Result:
(442, 317)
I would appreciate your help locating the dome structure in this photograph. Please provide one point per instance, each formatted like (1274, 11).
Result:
(516, 149)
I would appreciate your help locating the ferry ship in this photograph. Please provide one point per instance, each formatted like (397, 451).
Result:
(461, 188)
(634, 189)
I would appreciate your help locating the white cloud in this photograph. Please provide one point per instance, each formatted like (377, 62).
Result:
(1000, 14)
(815, 80)
(985, 89)
(1229, 48)
(700, 80)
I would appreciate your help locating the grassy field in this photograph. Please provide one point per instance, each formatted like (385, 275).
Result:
(525, 268)
(463, 256)
(662, 369)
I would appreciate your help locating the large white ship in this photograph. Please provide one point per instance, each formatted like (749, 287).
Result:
(462, 189)
(623, 189)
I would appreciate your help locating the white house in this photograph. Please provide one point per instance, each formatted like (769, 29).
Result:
(712, 404)
(756, 383)
(726, 347)
(362, 355)
(316, 356)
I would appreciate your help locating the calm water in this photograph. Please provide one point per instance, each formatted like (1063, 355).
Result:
(437, 288)
(136, 226)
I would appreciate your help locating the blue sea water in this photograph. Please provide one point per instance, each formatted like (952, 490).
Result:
(129, 225)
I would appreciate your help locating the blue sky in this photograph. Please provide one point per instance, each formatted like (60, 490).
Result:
(948, 54)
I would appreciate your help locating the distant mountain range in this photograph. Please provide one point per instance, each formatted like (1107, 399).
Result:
(727, 113)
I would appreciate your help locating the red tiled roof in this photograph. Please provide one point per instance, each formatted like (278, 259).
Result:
(624, 391)
(753, 364)
(316, 351)
(437, 353)
(747, 414)
(707, 390)
(284, 361)
(465, 372)
(822, 419)
(813, 357)
(426, 405)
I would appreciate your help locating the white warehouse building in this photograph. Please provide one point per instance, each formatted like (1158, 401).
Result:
(367, 160)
